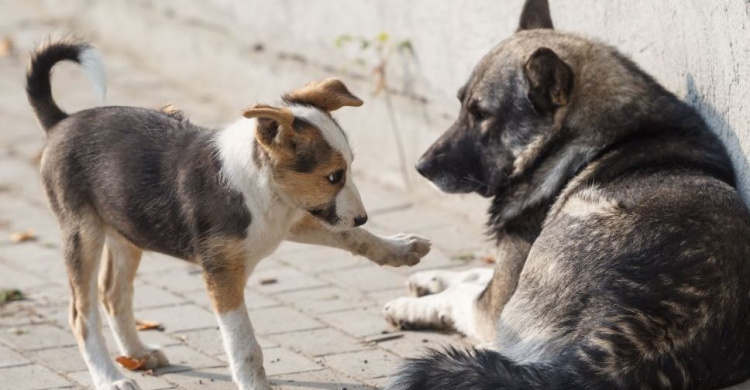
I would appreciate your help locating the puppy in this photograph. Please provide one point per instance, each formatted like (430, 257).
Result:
(122, 180)
(623, 250)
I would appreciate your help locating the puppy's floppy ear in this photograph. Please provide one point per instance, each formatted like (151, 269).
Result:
(329, 94)
(550, 80)
(535, 15)
(275, 124)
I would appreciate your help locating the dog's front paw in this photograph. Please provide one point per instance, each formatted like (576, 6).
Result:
(156, 359)
(416, 313)
(402, 249)
(122, 384)
(426, 283)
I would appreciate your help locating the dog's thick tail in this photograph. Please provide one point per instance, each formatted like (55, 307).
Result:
(473, 369)
(38, 86)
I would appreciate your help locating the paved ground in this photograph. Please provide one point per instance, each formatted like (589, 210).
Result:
(313, 322)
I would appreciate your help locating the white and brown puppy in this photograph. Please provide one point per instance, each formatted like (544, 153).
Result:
(123, 180)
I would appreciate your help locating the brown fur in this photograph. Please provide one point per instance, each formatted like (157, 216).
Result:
(225, 272)
(329, 94)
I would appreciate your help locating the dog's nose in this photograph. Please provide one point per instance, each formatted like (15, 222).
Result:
(359, 221)
(423, 166)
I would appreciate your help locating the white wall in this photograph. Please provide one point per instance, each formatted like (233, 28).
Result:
(699, 49)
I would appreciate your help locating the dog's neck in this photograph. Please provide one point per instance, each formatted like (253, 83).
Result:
(677, 139)
(247, 168)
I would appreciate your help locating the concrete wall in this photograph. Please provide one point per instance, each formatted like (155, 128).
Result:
(242, 51)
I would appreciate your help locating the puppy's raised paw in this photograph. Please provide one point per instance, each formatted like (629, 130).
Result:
(403, 249)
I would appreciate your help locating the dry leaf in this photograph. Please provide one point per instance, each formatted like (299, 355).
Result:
(267, 281)
(148, 325)
(487, 259)
(132, 363)
(6, 47)
(19, 237)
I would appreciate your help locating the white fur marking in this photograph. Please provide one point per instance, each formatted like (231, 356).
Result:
(92, 65)
(245, 356)
(331, 131)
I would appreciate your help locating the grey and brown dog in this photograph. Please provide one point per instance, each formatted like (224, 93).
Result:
(624, 247)
(123, 180)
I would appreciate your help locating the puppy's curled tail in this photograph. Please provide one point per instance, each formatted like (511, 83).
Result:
(473, 369)
(38, 87)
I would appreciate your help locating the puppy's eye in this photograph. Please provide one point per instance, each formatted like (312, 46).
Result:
(336, 177)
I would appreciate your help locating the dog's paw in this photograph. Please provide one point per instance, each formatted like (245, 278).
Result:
(156, 359)
(403, 249)
(414, 313)
(122, 384)
(426, 283)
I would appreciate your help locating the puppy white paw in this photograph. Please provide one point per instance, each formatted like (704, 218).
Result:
(122, 384)
(402, 249)
(427, 282)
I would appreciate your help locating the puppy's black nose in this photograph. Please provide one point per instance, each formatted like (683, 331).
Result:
(359, 221)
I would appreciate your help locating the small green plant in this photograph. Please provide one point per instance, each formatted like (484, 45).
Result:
(382, 48)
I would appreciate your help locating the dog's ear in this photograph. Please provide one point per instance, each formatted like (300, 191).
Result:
(535, 15)
(550, 81)
(275, 124)
(329, 94)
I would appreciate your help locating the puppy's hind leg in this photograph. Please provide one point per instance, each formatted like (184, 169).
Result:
(83, 242)
(120, 262)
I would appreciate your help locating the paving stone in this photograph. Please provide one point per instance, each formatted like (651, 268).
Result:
(277, 320)
(279, 361)
(382, 297)
(31, 377)
(410, 220)
(358, 322)
(325, 379)
(27, 338)
(148, 296)
(66, 359)
(9, 358)
(368, 364)
(319, 342)
(209, 341)
(146, 382)
(37, 258)
(325, 300)
(284, 279)
(183, 358)
(371, 278)
(253, 299)
(149, 337)
(416, 343)
(180, 318)
(213, 379)
(155, 263)
(15, 278)
(182, 277)
(319, 260)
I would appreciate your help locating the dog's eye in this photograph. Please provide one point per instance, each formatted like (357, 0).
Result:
(336, 177)
(478, 113)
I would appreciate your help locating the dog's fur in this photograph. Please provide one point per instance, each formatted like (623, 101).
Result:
(624, 245)
(122, 180)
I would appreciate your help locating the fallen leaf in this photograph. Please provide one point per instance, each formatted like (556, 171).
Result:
(487, 259)
(132, 363)
(6, 47)
(148, 325)
(18, 237)
(267, 281)
(466, 256)
(10, 295)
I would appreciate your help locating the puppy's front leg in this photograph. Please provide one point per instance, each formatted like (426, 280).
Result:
(396, 250)
(225, 274)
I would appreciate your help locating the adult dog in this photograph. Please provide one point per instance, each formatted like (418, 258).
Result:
(624, 245)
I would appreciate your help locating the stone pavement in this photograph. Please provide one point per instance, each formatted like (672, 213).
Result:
(314, 309)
